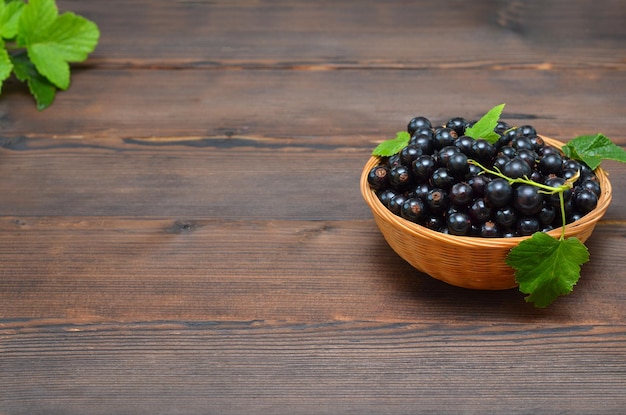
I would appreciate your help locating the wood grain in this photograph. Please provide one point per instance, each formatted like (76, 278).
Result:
(344, 107)
(278, 270)
(237, 178)
(259, 367)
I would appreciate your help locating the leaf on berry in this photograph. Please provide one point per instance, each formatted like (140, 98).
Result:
(484, 128)
(546, 267)
(54, 41)
(43, 91)
(592, 149)
(392, 146)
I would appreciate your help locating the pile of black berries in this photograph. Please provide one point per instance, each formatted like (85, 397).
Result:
(432, 183)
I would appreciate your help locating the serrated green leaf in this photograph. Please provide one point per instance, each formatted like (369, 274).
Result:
(592, 149)
(392, 146)
(53, 41)
(484, 128)
(5, 64)
(43, 91)
(9, 16)
(546, 267)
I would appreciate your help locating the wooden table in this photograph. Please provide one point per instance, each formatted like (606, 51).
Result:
(182, 231)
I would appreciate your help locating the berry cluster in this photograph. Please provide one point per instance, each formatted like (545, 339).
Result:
(435, 182)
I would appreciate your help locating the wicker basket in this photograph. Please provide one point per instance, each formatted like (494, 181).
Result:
(464, 261)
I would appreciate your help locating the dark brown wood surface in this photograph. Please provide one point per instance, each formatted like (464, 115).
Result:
(182, 231)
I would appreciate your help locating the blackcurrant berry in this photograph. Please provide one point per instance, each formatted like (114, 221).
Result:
(522, 142)
(461, 194)
(437, 200)
(527, 200)
(458, 124)
(393, 161)
(489, 230)
(479, 184)
(506, 217)
(409, 153)
(537, 142)
(385, 196)
(435, 222)
(526, 130)
(417, 123)
(586, 201)
(551, 164)
(499, 161)
(498, 193)
(483, 150)
(458, 166)
(465, 143)
(378, 177)
(395, 204)
(423, 167)
(592, 185)
(517, 168)
(508, 151)
(441, 178)
(480, 211)
(445, 153)
(529, 156)
(527, 225)
(459, 224)
(547, 214)
(444, 137)
(400, 177)
(424, 142)
(419, 191)
(413, 210)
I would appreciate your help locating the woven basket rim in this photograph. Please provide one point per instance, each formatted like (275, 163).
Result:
(380, 210)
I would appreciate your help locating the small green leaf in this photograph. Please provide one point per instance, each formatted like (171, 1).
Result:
(5, 64)
(43, 91)
(392, 146)
(546, 267)
(592, 149)
(9, 16)
(54, 41)
(484, 128)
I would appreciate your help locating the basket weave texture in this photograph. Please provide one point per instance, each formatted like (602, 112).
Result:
(465, 261)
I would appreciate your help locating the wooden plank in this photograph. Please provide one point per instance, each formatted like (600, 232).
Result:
(219, 179)
(261, 367)
(347, 106)
(355, 33)
(99, 269)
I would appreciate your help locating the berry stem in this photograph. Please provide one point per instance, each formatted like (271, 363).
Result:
(545, 189)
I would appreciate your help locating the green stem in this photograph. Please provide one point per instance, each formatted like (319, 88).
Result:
(545, 189)
(563, 217)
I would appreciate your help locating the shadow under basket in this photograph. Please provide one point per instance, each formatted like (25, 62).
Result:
(466, 261)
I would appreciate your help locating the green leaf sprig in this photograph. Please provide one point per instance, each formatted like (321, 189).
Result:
(485, 126)
(392, 146)
(38, 45)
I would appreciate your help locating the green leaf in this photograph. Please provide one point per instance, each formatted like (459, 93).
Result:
(546, 267)
(5, 64)
(9, 16)
(592, 149)
(484, 128)
(54, 41)
(43, 91)
(392, 146)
